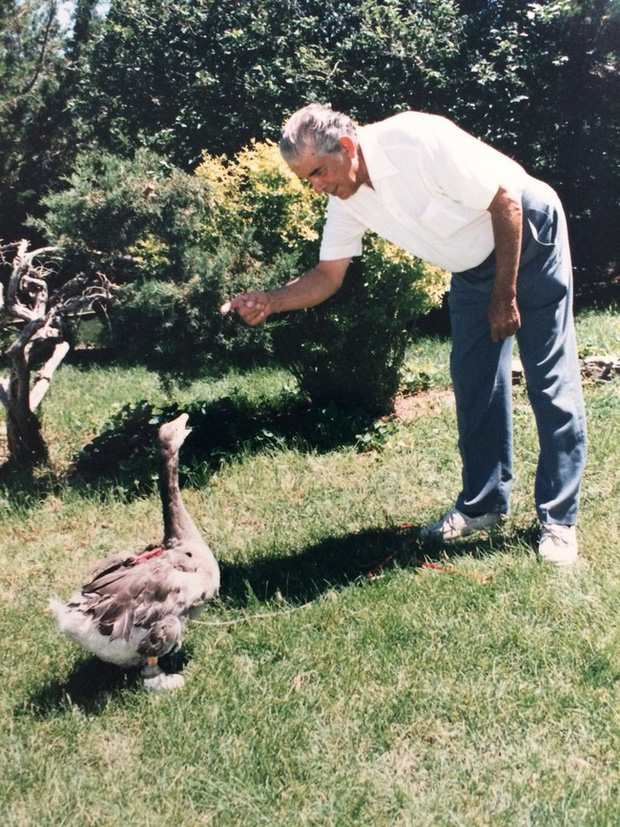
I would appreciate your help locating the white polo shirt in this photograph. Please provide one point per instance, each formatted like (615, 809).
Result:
(432, 183)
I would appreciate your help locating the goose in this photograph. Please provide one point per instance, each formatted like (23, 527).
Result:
(135, 608)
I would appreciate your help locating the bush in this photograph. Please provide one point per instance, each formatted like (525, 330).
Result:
(177, 329)
(183, 244)
(350, 350)
(159, 233)
(135, 218)
(257, 191)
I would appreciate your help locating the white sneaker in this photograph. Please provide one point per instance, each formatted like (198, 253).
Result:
(558, 544)
(455, 524)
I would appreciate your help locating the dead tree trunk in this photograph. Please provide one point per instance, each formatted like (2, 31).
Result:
(42, 341)
(23, 429)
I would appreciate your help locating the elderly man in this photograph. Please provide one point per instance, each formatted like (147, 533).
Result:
(421, 182)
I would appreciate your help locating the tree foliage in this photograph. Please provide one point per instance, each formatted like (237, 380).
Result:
(140, 216)
(539, 80)
(183, 244)
(29, 67)
(39, 65)
(215, 74)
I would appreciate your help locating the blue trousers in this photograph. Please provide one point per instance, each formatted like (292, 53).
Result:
(481, 371)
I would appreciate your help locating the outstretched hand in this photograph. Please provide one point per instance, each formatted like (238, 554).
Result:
(252, 307)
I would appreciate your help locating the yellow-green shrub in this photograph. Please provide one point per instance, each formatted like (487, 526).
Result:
(350, 349)
(257, 192)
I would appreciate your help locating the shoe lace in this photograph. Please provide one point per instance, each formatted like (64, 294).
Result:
(454, 518)
(556, 533)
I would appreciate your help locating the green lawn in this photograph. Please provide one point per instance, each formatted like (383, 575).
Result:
(315, 694)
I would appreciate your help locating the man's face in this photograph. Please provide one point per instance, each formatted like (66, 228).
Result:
(339, 173)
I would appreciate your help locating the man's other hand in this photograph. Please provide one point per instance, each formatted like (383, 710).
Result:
(504, 318)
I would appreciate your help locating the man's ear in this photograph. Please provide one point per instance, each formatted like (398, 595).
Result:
(348, 145)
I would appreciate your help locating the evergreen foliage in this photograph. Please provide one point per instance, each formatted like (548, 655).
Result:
(39, 128)
(140, 217)
(182, 244)
(539, 81)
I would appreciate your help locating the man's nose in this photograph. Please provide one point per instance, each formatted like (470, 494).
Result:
(318, 186)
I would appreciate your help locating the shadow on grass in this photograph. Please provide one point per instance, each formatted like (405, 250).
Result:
(91, 685)
(123, 457)
(27, 488)
(332, 563)
(303, 576)
(337, 562)
(221, 430)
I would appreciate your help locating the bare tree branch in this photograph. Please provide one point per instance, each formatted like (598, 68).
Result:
(28, 331)
(43, 377)
(25, 274)
(4, 393)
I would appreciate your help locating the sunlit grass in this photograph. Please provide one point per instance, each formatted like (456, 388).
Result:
(598, 332)
(420, 696)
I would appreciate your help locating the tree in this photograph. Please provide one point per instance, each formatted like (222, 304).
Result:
(45, 321)
(202, 74)
(538, 80)
(192, 75)
(541, 81)
(39, 67)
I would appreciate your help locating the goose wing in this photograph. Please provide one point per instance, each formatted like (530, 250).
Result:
(108, 563)
(125, 596)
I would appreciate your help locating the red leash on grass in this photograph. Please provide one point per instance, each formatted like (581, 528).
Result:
(481, 578)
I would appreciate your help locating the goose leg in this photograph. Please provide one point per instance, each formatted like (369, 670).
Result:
(156, 680)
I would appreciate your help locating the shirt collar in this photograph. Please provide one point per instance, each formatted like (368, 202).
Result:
(377, 163)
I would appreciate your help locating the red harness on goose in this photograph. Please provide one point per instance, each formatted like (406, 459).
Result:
(146, 555)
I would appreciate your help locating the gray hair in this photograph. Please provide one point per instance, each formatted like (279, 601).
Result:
(314, 127)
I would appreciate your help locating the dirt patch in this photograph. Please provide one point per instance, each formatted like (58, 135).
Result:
(411, 406)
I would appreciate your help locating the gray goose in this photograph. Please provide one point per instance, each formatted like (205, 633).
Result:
(136, 607)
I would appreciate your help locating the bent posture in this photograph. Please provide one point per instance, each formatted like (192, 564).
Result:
(136, 607)
(423, 183)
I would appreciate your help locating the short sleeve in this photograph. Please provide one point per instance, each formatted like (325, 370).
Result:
(342, 234)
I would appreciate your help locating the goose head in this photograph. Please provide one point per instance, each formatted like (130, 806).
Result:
(173, 434)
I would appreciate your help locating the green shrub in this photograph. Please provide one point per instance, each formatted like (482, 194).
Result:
(350, 350)
(182, 245)
(177, 329)
(134, 218)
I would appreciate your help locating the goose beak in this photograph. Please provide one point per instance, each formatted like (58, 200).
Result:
(182, 421)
